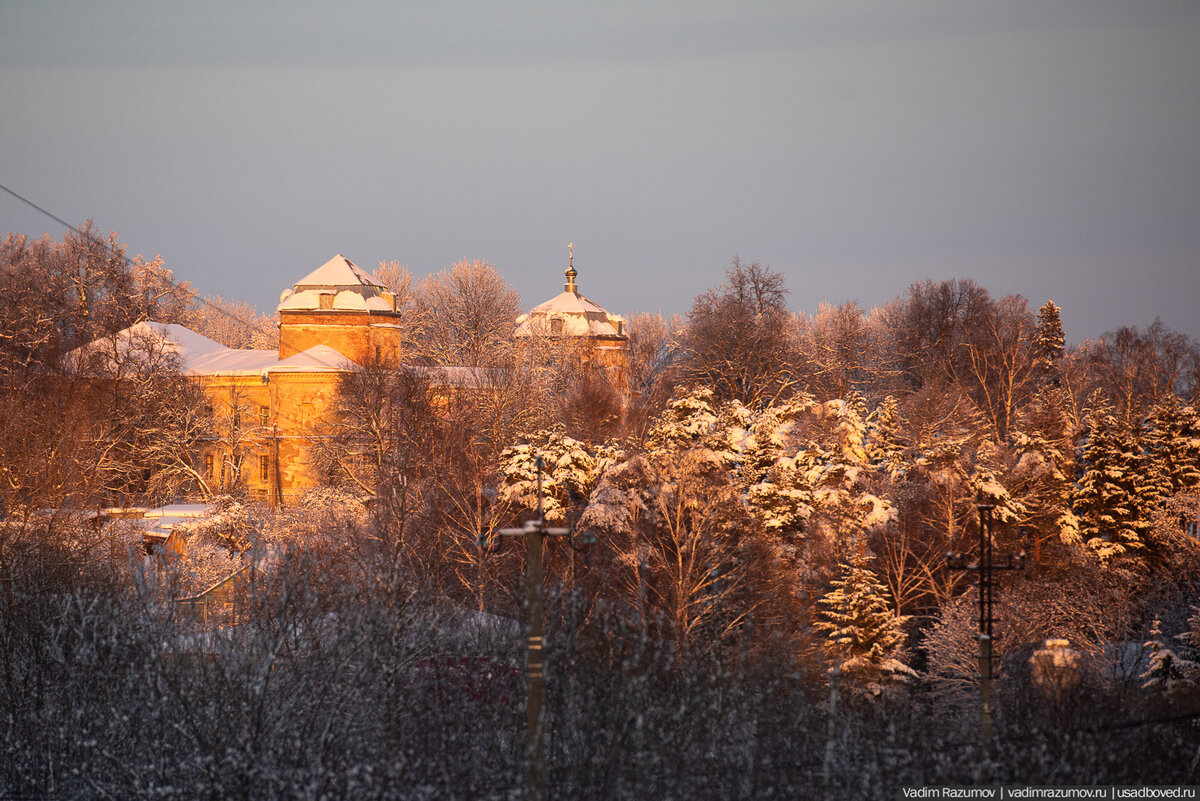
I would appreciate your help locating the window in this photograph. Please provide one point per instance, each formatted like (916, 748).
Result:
(208, 466)
(326, 300)
(264, 468)
(264, 416)
(556, 326)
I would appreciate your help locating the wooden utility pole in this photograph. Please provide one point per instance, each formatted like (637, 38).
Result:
(534, 531)
(985, 566)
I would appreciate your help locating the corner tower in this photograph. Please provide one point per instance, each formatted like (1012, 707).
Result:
(574, 322)
(343, 307)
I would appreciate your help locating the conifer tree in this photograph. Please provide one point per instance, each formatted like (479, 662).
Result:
(777, 494)
(884, 443)
(844, 502)
(986, 487)
(1106, 497)
(1048, 339)
(1191, 637)
(685, 422)
(864, 638)
(1166, 671)
(1172, 450)
(570, 470)
(852, 429)
(1045, 469)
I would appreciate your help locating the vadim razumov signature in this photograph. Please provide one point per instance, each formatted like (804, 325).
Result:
(1018, 792)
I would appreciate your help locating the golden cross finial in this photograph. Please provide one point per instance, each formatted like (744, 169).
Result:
(570, 273)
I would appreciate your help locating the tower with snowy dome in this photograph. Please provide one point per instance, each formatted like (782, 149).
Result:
(341, 306)
(581, 329)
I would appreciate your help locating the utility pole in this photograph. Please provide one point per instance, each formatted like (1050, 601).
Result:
(985, 566)
(535, 531)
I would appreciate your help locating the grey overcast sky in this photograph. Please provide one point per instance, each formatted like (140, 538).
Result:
(1046, 148)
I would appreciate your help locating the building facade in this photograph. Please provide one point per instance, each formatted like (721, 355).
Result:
(269, 407)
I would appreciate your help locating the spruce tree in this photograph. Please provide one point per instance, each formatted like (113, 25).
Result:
(864, 637)
(844, 502)
(777, 492)
(1172, 449)
(1166, 671)
(1045, 470)
(1191, 637)
(986, 486)
(885, 446)
(570, 470)
(1048, 339)
(1106, 497)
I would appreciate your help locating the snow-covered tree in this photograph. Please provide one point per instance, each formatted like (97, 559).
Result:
(1191, 637)
(463, 315)
(684, 515)
(986, 487)
(1166, 671)
(845, 505)
(885, 442)
(1043, 476)
(685, 421)
(1172, 450)
(680, 537)
(1048, 338)
(835, 347)
(777, 492)
(233, 323)
(570, 471)
(864, 637)
(1106, 497)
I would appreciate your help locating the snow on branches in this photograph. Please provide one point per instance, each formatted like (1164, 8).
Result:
(864, 637)
(570, 471)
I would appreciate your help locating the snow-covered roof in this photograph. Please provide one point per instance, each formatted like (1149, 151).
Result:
(347, 286)
(147, 340)
(571, 314)
(200, 356)
(337, 272)
(233, 361)
(317, 359)
(162, 520)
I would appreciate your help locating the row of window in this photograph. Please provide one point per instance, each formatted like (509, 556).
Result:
(210, 468)
(264, 415)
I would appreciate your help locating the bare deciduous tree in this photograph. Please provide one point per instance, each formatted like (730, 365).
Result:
(464, 316)
(1137, 369)
(999, 366)
(737, 339)
(233, 323)
(837, 350)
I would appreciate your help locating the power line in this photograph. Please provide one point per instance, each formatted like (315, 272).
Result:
(126, 261)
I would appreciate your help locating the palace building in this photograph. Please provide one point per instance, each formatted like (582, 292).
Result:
(268, 406)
